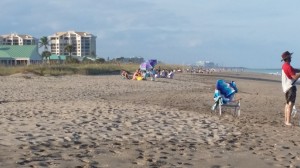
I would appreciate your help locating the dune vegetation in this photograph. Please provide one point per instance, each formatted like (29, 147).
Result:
(71, 69)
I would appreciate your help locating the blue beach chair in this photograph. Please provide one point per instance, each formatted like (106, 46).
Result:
(224, 97)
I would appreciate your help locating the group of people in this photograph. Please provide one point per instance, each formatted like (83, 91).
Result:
(289, 77)
(137, 75)
(152, 74)
(164, 73)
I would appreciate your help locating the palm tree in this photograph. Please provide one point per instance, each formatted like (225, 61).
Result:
(46, 55)
(69, 48)
(44, 42)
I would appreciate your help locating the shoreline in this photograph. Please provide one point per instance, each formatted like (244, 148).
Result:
(106, 121)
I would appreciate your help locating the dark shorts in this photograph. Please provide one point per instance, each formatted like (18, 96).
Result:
(290, 95)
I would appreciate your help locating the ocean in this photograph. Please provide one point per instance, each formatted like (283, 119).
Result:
(268, 71)
(264, 71)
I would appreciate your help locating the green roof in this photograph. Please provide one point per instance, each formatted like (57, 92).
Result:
(4, 54)
(57, 57)
(19, 51)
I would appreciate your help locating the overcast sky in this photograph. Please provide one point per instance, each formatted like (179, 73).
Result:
(241, 33)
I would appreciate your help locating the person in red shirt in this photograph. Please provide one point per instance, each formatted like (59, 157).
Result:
(289, 77)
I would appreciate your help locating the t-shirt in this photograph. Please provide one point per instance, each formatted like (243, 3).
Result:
(287, 73)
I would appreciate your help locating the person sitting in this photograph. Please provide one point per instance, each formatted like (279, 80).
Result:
(145, 74)
(171, 74)
(163, 73)
(157, 73)
(124, 74)
(137, 75)
(152, 74)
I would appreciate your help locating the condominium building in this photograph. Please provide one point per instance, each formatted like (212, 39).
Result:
(17, 39)
(84, 44)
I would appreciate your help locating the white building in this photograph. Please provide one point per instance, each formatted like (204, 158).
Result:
(84, 44)
(205, 64)
(17, 39)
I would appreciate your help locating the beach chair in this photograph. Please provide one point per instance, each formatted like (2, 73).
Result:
(295, 114)
(224, 97)
(235, 105)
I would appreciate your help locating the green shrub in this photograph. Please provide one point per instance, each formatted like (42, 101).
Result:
(70, 69)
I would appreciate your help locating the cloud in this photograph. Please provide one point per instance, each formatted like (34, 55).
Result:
(182, 31)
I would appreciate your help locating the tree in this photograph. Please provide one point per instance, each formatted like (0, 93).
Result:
(46, 55)
(86, 60)
(69, 48)
(93, 54)
(100, 60)
(121, 59)
(44, 42)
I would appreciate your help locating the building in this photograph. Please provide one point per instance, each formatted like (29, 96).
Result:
(57, 59)
(17, 39)
(206, 64)
(84, 44)
(19, 54)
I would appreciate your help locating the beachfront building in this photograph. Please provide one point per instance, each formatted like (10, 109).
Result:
(18, 49)
(57, 59)
(18, 39)
(83, 44)
(19, 54)
(206, 64)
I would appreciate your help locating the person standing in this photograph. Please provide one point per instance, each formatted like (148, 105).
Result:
(289, 77)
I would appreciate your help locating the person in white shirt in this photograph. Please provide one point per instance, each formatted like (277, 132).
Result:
(289, 78)
(171, 74)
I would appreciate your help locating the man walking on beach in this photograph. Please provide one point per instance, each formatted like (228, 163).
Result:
(289, 78)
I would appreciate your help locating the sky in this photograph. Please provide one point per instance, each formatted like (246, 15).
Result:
(232, 33)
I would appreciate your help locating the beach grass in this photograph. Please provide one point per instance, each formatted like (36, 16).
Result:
(9, 70)
(71, 69)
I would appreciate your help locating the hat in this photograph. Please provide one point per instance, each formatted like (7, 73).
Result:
(286, 55)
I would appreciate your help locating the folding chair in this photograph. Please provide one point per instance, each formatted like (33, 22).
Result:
(236, 105)
(224, 97)
(295, 114)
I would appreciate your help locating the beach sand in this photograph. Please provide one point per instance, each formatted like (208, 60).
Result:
(105, 121)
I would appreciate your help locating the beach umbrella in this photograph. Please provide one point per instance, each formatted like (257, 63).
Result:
(145, 66)
(152, 62)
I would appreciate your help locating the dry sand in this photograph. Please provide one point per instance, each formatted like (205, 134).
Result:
(106, 121)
